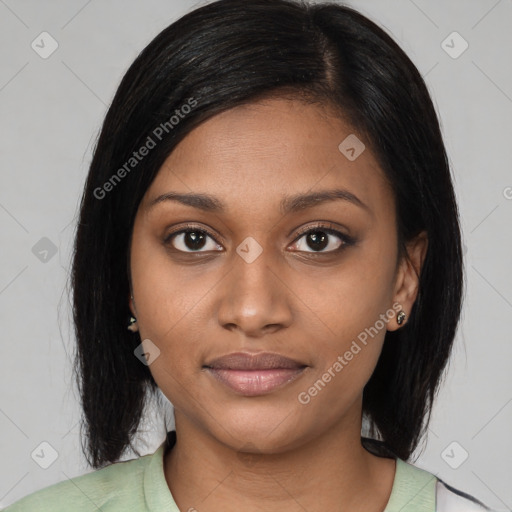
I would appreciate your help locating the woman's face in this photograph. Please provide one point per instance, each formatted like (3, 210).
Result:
(245, 278)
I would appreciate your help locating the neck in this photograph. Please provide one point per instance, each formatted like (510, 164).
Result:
(330, 471)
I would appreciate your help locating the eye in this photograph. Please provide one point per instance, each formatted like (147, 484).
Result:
(192, 239)
(322, 237)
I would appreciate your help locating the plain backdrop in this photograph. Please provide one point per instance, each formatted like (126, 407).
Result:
(50, 112)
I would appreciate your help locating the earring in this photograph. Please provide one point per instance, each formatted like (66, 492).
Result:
(400, 317)
(131, 326)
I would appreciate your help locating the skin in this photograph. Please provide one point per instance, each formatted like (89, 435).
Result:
(270, 452)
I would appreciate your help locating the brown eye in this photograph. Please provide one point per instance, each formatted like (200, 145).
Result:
(320, 238)
(192, 240)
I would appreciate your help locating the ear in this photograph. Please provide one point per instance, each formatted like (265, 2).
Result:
(408, 277)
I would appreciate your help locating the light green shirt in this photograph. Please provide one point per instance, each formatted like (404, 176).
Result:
(139, 485)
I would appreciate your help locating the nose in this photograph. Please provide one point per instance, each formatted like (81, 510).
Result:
(253, 297)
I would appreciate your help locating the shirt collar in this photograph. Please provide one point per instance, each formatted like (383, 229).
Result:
(157, 494)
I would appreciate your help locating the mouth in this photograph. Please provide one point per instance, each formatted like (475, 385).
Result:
(254, 374)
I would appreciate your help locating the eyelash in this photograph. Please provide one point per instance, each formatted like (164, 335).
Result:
(345, 239)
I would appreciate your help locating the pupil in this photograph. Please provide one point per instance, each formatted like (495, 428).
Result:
(319, 240)
(196, 239)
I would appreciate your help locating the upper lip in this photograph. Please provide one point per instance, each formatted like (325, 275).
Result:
(259, 361)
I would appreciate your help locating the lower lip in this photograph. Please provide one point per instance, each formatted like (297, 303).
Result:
(255, 382)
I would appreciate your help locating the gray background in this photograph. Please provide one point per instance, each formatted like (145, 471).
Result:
(50, 112)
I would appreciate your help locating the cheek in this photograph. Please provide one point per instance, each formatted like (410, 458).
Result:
(345, 361)
(340, 305)
(166, 294)
(163, 309)
(178, 366)
(348, 314)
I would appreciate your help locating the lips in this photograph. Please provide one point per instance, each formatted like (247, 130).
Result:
(254, 374)
(259, 361)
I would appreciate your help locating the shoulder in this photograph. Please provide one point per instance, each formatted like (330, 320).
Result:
(419, 490)
(424, 491)
(118, 486)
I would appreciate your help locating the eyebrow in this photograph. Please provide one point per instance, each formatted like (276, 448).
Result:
(289, 204)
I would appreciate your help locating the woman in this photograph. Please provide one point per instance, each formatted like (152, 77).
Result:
(270, 213)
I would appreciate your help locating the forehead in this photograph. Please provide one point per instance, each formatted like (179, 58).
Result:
(254, 155)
